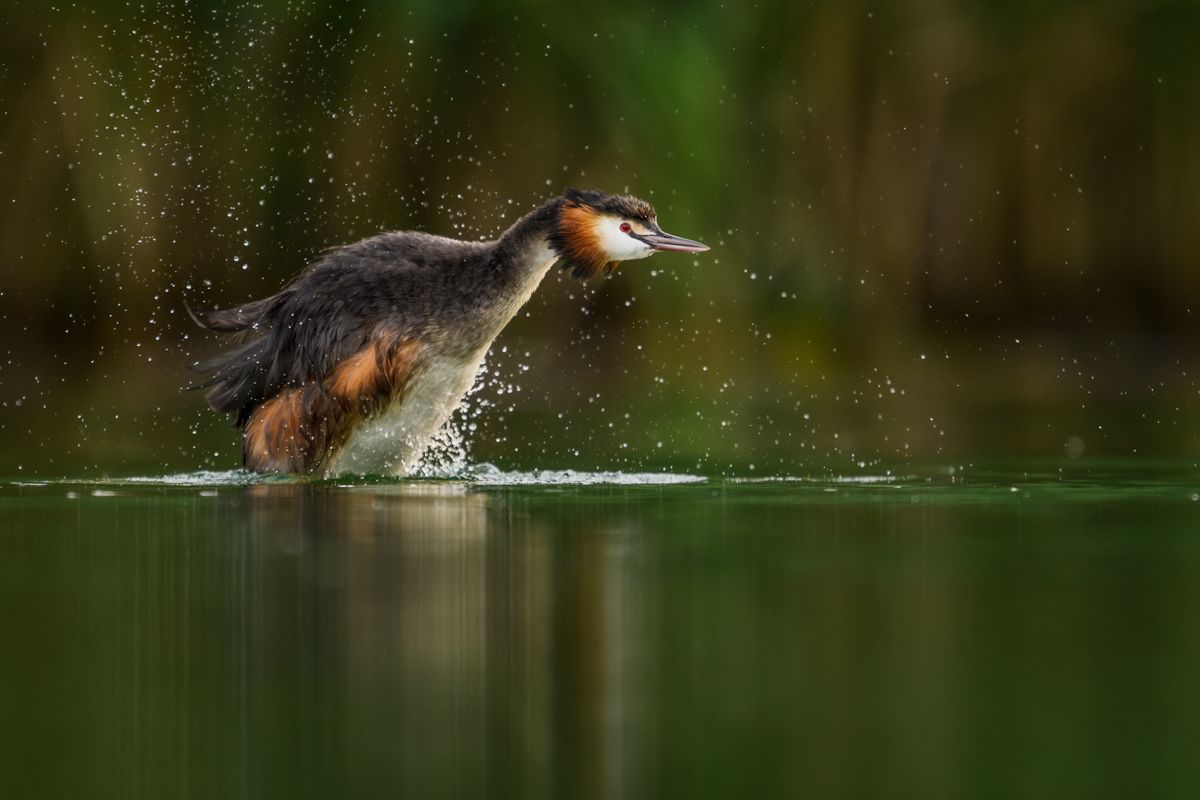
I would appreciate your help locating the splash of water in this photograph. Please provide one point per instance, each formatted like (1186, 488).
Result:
(491, 475)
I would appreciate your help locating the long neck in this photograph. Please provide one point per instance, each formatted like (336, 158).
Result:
(518, 261)
(523, 251)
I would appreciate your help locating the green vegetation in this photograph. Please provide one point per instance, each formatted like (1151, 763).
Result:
(938, 230)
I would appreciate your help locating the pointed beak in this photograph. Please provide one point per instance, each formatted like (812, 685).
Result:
(661, 240)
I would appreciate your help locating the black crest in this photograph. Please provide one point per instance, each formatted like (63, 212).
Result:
(618, 205)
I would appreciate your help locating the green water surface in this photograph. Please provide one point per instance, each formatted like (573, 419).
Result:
(977, 633)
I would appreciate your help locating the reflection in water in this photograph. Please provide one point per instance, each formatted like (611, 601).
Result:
(420, 640)
(458, 643)
(289, 640)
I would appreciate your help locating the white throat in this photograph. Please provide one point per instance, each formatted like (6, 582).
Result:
(538, 259)
(620, 246)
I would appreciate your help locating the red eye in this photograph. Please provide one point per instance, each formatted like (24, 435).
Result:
(626, 227)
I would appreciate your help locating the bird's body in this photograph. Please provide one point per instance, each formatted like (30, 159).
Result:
(355, 365)
(393, 441)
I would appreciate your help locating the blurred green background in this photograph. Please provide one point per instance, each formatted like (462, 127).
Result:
(940, 230)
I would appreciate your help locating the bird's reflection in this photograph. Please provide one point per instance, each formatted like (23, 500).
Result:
(445, 633)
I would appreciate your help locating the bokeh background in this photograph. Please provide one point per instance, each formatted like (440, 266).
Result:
(941, 230)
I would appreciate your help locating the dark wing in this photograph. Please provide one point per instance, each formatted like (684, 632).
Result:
(300, 428)
(238, 378)
(336, 332)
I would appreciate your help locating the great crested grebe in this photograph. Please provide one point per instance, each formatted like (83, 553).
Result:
(355, 364)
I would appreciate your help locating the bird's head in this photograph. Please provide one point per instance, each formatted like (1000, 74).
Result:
(597, 231)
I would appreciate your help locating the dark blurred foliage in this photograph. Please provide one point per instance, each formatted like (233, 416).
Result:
(939, 229)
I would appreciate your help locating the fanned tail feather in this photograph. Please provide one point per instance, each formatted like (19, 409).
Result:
(238, 318)
(237, 379)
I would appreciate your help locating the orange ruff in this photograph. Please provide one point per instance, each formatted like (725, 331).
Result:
(299, 429)
(578, 226)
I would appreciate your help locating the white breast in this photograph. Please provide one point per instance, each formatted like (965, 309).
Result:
(393, 442)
